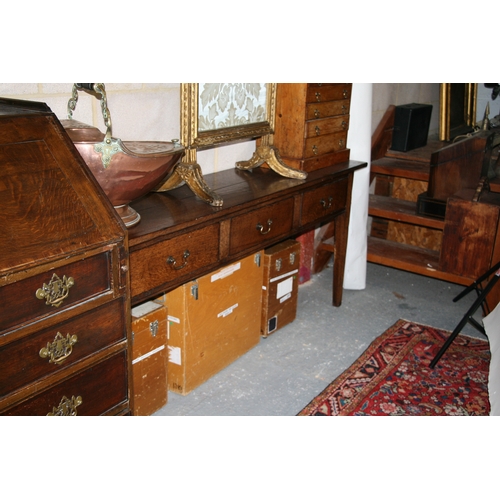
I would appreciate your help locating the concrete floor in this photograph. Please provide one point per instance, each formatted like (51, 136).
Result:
(285, 371)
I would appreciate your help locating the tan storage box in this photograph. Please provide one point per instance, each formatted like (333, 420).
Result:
(149, 358)
(280, 286)
(212, 322)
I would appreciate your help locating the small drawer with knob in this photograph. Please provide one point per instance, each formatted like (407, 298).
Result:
(324, 201)
(326, 109)
(325, 126)
(173, 259)
(53, 291)
(257, 227)
(58, 347)
(328, 92)
(316, 146)
(98, 390)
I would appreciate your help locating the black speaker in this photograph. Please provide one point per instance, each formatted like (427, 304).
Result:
(411, 126)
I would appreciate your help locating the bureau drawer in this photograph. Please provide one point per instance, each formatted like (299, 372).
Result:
(53, 291)
(260, 226)
(328, 92)
(60, 346)
(326, 109)
(173, 259)
(94, 391)
(324, 201)
(323, 144)
(324, 126)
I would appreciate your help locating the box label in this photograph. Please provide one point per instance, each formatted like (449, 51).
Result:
(174, 355)
(277, 278)
(284, 288)
(150, 353)
(227, 312)
(224, 273)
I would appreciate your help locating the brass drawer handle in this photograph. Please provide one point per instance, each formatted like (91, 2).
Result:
(173, 263)
(317, 114)
(345, 93)
(66, 408)
(260, 227)
(344, 125)
(344, 109)
(326, 204)
(59, 349)
(317, 130)
(318, 96)
(55, 291)
(315, 149)
(341, 143)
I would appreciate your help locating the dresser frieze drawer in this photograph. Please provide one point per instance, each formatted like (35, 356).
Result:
(173, 259)
(58, 347)
(316, 146)
(96, 390)
(257, 227)
(54, 291)
(324, 201)
(326, 109)
(329, 92)
(324, 126)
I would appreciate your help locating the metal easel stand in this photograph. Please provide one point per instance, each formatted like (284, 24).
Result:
(479, 302)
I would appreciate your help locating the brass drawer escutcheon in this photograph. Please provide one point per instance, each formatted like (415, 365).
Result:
(55, 291)
(260, 227)
(66, 408)
(173, 263)
(317, 130)
(59, 349)
(315, 149)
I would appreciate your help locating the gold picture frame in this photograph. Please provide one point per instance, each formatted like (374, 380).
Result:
(255, 102)
(225, 113)
(457, 109)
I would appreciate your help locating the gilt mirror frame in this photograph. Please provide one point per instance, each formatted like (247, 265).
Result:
(193, 137)
(248, 98)
(457, 109)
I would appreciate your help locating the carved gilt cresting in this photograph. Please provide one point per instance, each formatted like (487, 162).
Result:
(188, 171)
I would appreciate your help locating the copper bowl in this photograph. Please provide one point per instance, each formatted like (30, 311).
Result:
(126, 170)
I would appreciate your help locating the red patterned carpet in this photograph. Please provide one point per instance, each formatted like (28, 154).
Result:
(392, 377)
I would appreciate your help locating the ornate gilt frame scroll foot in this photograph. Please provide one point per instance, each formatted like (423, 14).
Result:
(190, 173)
(266, 153)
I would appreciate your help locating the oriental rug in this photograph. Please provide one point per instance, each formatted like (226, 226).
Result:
(392, 377)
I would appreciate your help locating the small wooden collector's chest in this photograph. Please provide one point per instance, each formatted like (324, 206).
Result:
(213, 321)
(149, 358)
(280, 286)
(312, 121)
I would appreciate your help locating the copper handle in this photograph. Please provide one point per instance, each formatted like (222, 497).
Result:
(260, 227)
(55, 291)
(66, 408)
(173, 263)
(326, 204)
(59, 349)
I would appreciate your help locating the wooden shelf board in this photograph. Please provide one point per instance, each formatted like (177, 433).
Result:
(409, 258)
(400, 168)
(401, 211)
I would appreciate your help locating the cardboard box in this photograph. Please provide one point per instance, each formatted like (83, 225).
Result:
(213, 321)
(149, 358)
(280, 286)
